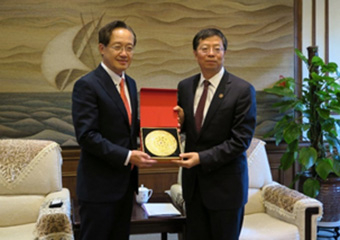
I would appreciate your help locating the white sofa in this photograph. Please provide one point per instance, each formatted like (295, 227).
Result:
(273, 211)
(30, 179)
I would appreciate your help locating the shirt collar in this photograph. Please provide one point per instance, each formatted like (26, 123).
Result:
(215, 80)
(114, 76)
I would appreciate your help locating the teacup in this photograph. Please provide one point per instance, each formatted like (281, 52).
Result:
(143, 195)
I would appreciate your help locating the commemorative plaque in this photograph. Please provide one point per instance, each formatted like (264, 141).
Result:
(161, 143)
(159, 135)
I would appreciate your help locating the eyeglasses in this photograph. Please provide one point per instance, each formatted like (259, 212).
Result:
(119, 48)
(206, 49)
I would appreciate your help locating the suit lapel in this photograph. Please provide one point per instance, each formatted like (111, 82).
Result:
(192, 96)
(106, 82)
(221, 92)
(191, 99)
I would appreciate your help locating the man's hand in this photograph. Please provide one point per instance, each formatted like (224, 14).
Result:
(180, 112)
(141, 159)
(192, 159)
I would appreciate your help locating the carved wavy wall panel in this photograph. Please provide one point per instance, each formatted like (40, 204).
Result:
(260, 34)
(46, 45)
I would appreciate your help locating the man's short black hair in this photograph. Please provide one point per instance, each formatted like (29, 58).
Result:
(106, 31)
(209, 32)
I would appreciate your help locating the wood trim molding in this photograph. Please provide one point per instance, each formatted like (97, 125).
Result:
(159, 177)
(298, 43)
(326, 31)
(71, 154)
(313, 22)
(162, 176)
(308, 221)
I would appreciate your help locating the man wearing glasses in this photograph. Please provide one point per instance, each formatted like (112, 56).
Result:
(105, 118)
(217, 112)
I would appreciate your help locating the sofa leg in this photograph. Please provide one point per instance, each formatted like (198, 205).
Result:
(308, 221)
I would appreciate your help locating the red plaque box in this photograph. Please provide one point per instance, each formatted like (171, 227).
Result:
(158, 122)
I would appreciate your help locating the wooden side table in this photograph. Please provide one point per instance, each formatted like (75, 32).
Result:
(141, 223)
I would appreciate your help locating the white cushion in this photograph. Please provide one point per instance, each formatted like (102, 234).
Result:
(26, 164)
(21, 232)
(258, 165)
(179, 175)
(255, 201)
(15, 210)
(176, 195)
(261, 226)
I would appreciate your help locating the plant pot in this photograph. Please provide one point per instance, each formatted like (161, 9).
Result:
(330, 197)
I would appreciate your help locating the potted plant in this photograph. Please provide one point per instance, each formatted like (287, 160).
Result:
(312, 120)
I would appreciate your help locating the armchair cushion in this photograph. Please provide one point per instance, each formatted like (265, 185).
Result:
(255, 202)
(18, 232)
(24, 163)
(20, 209)
(258, 164)
(177, 196)
(261, 226)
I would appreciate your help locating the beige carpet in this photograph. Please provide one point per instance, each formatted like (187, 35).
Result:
(153, 237)
(175, 237)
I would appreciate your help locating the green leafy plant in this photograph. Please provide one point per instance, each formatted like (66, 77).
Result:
(312, 120)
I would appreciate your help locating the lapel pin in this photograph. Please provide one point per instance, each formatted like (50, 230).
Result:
(220, 95)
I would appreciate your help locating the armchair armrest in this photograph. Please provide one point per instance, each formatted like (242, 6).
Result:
(293, 207)
(177, 197)
(55, 223)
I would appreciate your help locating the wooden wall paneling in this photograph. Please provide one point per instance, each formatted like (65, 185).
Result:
(69, 169)
(161, 177)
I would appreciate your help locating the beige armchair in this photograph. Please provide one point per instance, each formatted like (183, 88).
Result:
(30, 180)
(273, 211)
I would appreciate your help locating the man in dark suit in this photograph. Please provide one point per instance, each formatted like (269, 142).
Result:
(105, 117)
(218, 132)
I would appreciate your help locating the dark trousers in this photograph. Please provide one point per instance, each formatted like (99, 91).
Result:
(106, 221)
(204, 223)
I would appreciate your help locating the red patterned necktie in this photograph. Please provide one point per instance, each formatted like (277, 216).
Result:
(200, 107)
(126, 102)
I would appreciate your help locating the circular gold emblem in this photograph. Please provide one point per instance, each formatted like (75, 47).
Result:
(161, 143)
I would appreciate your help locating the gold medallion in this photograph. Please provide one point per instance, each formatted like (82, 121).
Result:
(160, 143)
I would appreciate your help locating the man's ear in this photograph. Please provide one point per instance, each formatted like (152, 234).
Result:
(101, 48)
(195, 53)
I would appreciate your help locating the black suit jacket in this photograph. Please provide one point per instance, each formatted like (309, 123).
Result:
(104, 135)
(228, 128)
